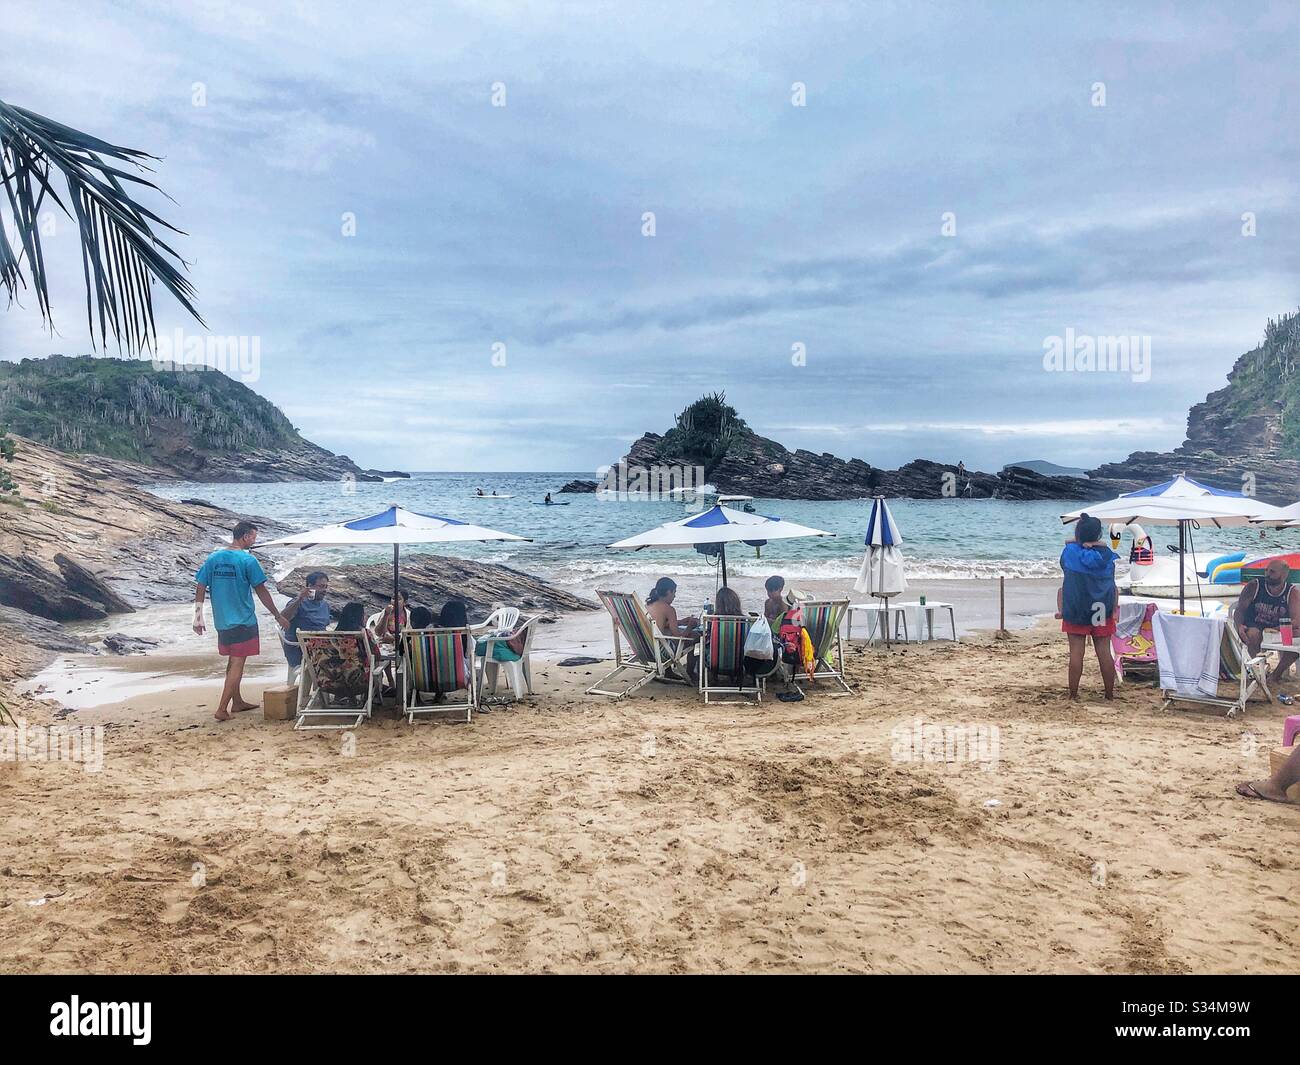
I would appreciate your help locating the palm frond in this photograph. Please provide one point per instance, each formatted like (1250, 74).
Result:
(121, 254)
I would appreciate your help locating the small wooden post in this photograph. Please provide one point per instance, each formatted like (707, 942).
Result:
(1002, 604)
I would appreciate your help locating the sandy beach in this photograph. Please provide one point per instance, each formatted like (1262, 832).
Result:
(569, 833)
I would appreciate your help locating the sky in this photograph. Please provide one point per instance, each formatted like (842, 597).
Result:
(869, 220)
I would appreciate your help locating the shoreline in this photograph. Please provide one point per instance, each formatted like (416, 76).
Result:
(185, 661)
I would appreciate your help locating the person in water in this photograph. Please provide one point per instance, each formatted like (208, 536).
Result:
(1087, 601)
(548, 498)
(1262, 605)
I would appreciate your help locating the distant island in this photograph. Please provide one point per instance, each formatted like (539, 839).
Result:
(189, 423)
(1244, 437)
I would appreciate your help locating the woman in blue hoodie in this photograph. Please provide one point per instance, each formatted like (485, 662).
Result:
(1088, 601)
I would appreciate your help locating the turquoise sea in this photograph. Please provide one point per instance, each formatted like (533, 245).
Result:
(943, 539)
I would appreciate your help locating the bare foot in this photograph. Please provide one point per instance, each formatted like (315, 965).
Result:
(1261, 789)
(222, 715)
(246, 706)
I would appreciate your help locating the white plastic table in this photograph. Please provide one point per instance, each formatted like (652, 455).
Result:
(894, 613)
(929, 606)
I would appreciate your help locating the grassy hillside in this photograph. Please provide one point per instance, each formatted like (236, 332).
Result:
(124, 408)
(1265, 380)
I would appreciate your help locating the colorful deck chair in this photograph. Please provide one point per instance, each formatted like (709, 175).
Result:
(822, 621)
(722, 658)
(435, 662)
(1138, 649)
(339, 675)
(650, 655)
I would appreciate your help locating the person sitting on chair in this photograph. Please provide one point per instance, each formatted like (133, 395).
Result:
(659, 605)
(308, 610)
(1263, 604)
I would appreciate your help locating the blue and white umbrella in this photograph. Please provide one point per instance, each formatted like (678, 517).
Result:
(721, 526)
(1182, 502)
(882, 566)
(395, 526)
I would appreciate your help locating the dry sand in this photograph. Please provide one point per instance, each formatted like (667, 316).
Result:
(653, 834)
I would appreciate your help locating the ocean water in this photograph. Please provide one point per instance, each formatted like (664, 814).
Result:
(943, 539)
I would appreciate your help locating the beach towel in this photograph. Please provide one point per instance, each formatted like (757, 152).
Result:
(1129, 620)
(1188, 653)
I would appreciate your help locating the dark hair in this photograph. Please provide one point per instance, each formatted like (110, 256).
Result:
(453, 615)
(421, 617)
(1087, 529)
(774, 584)
(663, 586)
(727, 602)
(314, 576)
(352, 618)
(243, 528)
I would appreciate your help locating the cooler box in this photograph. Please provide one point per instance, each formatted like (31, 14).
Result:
(281, 703)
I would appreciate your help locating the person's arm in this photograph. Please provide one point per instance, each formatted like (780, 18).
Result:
(1060, 597)
(269, 603)
(1244, 600)
(291, 608)
(200, 593)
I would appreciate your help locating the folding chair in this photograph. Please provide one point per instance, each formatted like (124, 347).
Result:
(822, 621)
(337, 668)
(435, 662)
(651, 656)
(722, 654)
(1236, 667)
(1137, 650)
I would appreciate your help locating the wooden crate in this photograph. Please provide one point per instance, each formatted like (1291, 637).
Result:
(280, 703)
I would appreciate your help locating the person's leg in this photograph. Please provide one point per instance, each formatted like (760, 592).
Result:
(1101, 644)
(1077, 645)
(230, 697)
(1284, 663)
(227, 692)
(1275, 787)
(1254, 637)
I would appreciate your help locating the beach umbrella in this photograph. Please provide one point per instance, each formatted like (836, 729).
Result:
(1182, 502)
(718, 526)
(1287, 517)
(395, 526)
(882, 565)
(1258, 568)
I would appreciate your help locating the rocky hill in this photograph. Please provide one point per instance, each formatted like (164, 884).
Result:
(189, 423)
(1245, 434)
(709, 433)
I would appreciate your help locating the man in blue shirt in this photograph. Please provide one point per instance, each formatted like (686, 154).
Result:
(232, 575)
(307, 612)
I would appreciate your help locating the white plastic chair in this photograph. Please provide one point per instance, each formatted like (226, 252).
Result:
(519, 674)
(503, 617)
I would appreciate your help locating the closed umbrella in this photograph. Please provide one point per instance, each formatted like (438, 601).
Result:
(719, 526)
(394, 526)
(882, 565)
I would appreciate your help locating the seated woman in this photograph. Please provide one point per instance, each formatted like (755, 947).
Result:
(421, 617)
(352, 618)
(727, 603)
(659, 605)
(382, 624)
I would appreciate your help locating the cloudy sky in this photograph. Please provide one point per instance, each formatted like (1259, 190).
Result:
(775, 224)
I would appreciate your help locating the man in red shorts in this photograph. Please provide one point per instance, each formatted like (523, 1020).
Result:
(1087, 601)
(231, 574)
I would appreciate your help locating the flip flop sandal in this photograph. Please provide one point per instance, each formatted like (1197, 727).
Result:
(1248, 790)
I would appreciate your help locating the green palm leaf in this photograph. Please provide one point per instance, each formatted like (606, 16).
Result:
(121, 254)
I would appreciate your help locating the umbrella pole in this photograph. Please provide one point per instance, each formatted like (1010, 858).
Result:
(1182, 545)
(397, 622)
(724, 565)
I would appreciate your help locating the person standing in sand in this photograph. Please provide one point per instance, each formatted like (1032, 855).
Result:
(233, 575)
(1087, 601)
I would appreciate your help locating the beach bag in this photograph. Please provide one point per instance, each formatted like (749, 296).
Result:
(758, 642)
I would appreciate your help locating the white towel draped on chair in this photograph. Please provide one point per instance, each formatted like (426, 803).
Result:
(1188, 652)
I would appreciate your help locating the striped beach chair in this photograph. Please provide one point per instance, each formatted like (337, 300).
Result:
(722, 658)
(822, 621)
(649, 655)
(337, 682)
(435, 663)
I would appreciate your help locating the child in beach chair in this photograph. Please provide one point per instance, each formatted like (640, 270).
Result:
(649, 655)
(435, 665)
(341, 671)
